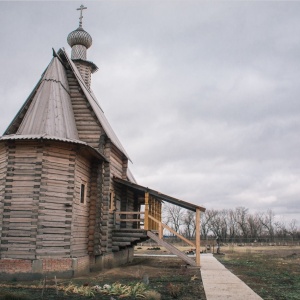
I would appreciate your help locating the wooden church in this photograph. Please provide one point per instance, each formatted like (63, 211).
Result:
(68, 202)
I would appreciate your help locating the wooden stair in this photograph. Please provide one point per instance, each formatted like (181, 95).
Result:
(171, 248)
(125, 237)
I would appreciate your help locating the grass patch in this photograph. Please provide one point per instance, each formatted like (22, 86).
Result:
(270, 275)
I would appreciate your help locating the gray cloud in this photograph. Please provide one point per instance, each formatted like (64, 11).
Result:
(203, 95)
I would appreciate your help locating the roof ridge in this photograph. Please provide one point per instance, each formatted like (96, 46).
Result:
(91, 98)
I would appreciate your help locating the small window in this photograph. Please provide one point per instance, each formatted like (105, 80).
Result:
(82, 193)
(112, 201)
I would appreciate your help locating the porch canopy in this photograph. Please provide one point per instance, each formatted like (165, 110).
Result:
(142, 190)
(153, 216)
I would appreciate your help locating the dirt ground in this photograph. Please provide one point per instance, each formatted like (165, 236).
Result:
(271, 271)
(168, 277)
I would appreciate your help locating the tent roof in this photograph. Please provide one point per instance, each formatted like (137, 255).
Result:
(48, 110)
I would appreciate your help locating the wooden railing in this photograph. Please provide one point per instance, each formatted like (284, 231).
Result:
(152, 221)
(163, 226)
(121, 217)
(152, 209)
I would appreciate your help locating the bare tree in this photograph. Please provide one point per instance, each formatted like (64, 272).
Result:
(218, 224)
(241, 215)
(255, 226)
(189, 222)
(174, 216)
(267, 221)
(232, 225)
(206, 222)
(293, 229)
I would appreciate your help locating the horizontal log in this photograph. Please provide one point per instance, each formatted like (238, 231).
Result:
(129, 220)
(52, 218)
(52, 251)
(20, 240)
(130, 212)
(53, 207)
(52, 244)
(18, 255)
(63, 161)
(17, 233)
(50, 230)
(51, 237)
(56, 225)
(20, 220)
(60, 213)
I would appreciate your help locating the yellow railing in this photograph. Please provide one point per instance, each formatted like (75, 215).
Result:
(153, 221)
(163, 226)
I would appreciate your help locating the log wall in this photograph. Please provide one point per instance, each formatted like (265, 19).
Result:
(3, 168)
(80, 218)
(41, 202)
(21, 201)
(56, 200)
(94, 243)
(88, 126)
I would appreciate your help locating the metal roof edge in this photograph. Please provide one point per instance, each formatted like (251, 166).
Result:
(20, 137)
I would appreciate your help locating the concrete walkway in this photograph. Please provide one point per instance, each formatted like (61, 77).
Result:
(220, 283)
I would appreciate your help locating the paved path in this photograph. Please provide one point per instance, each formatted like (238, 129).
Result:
(220, 283)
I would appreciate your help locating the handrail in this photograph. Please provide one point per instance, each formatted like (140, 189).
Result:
(133, 217)
(130, 212)
(173, 231)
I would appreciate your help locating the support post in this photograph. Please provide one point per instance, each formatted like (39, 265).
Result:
(160, 230)
(198, 237)
(146, 220)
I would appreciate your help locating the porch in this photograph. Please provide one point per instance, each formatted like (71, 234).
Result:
(145, 221)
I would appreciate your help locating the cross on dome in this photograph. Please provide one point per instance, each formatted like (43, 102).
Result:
(81, 8)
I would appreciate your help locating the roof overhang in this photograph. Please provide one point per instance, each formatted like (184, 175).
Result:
(156, 194)
(83, 146)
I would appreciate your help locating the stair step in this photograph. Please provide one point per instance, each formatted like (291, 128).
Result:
(115, 248)
(131, 230)
(134, 234)
(121, 244)
(124, 239)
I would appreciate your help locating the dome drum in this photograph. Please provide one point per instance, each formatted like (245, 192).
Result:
(78, 52)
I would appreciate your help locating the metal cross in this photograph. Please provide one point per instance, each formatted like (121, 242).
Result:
(81, 8)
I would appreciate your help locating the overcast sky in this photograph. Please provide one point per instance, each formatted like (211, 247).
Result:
(204, 96)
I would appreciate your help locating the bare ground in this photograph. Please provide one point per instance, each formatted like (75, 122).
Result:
(169, 277)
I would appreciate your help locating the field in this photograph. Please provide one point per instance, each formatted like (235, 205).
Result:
(273, 272)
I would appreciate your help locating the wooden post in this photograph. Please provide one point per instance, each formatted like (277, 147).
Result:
(198, 237)
(146, 220)
(156, 214)
(160, 230)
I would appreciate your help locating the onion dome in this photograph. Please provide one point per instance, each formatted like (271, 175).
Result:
(80, 41)
(79, 37)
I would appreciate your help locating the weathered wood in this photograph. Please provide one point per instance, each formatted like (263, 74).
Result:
(171, 248)
(129, 220)
(146, 222)
(174, 232)
(198, 237)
